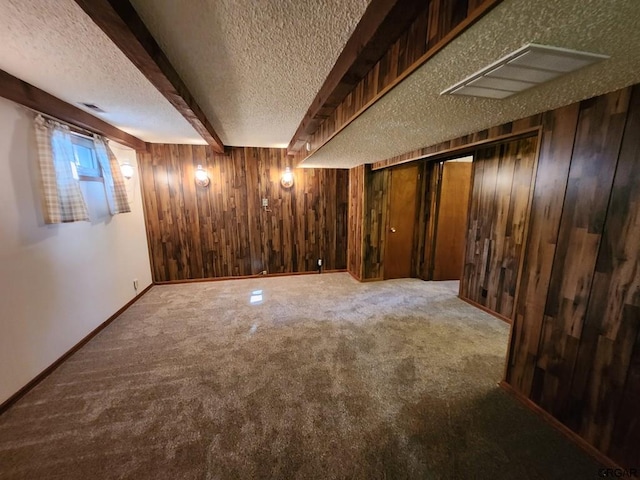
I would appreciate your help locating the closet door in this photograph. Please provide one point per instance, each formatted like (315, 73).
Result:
(402, 216)
(452, 220)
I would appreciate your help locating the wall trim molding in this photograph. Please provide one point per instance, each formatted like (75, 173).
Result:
(486, 309)
(565, 431)
(23, 93)
(124, 27)
(472, 18)
(354, 276)
(458, 150)
(4, 406)
(381, 25)
(367, 280)
(245, 277)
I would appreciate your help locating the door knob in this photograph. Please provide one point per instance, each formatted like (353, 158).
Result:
(393, 230)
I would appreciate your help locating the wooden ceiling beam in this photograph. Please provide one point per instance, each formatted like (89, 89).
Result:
(119, 20)
(21, 92)
(380, 26)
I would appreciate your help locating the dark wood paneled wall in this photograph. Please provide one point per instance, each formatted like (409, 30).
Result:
(356, 221)
(222, 230)
(366, 255)
(431, 30)
(498, 213)
(467, 143)
(612, 324)
(430, 176)
(558, 132)
(374, 234)
(576, 341)
(575, 344)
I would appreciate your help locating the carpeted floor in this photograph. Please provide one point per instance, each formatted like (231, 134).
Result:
(323, 378)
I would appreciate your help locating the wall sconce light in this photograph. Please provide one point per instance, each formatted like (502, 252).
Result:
(127, 170)
(287, 178)
(202, 179)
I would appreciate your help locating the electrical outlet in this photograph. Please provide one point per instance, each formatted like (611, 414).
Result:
(319, 262)
(135, 284)
(265, 202)
(263, 272)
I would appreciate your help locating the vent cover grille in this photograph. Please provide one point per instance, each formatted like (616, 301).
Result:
(93, 106)
(525, 68)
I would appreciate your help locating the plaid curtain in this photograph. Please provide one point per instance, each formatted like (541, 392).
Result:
(63, 201)
(113, 180)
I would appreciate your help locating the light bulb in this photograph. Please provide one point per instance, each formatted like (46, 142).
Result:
(202, 179)
(127, 170)
(287, 178)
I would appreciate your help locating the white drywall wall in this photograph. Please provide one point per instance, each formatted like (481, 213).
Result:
(57, 282)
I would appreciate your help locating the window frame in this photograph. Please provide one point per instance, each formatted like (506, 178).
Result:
(86, 174)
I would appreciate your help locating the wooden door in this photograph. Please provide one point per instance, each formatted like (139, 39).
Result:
(452, 220)
(402, 212)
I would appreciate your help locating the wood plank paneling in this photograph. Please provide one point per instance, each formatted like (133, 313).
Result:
(356, 221)
(423, 240)
(376, 206)
(595, 154)
(612, 319)
(432, 29)
(222, 230)
(575, 345)
(466, 144)
(558, 133)
(433, 171)
(498, 214)
(617, 378)
(380, 26)
(575, 342)
(375, 202)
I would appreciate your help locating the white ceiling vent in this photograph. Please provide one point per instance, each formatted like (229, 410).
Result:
(527, 67)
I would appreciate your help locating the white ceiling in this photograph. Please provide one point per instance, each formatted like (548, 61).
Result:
(414, 115)
(56, 47)
(253, 66)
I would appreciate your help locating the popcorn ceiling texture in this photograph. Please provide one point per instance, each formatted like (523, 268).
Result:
(414, 115)
(253, 66)
(56, 47)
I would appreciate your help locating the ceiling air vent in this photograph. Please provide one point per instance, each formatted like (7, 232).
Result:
(527, 67)
(93, 106)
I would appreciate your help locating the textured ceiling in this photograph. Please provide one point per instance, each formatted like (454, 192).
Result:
(253, 66)
(56, 47)
(414, 115)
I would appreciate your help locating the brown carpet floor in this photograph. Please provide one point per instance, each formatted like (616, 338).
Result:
(323, 378)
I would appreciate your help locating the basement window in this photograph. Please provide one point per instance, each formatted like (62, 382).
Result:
(86, 165)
